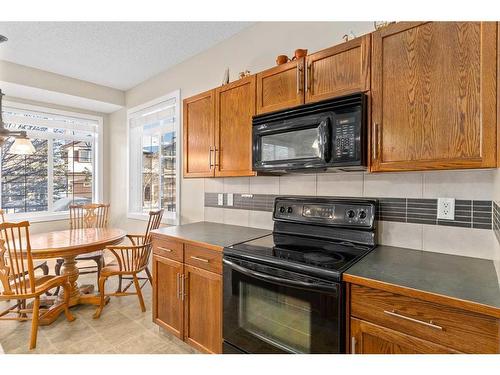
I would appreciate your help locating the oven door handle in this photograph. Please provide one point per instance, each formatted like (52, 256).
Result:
(332, 289)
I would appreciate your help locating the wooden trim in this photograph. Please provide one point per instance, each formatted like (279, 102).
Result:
(426, 296)
(185, 133)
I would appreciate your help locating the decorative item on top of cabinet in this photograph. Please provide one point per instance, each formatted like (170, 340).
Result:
(198, 133)
(434, 96)
(225, 79)
(235, 106)
(281, 87)
(338, 70)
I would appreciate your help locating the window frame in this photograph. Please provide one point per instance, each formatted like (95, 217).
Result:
(98, 163)
(168, 217)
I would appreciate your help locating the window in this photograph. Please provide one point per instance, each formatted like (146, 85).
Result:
(153, 162)
(63, 170)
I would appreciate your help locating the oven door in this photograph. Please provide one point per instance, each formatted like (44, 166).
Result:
(298, 143)
(270, 310)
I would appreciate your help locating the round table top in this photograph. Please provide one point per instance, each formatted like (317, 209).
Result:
(73, 242)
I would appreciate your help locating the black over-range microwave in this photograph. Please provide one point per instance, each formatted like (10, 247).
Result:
(331, 134)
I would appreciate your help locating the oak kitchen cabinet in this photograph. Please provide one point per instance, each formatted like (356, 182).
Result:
(218, 131)
(434, 96)
(187, 292)
(382, 322)
(340, 70)
(281, 87)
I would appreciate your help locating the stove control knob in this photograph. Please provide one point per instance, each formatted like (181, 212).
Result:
(351, 214)
(282, 209)
(289, 210)
(362, 214)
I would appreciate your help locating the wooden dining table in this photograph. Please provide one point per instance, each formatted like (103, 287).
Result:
(68, 244)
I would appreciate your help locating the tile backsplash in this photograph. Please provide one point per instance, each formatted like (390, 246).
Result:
(407, 212)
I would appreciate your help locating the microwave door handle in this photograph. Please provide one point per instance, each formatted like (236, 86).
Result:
(324, 138)
(278, 280)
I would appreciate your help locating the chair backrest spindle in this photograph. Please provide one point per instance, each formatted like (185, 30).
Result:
(16, 263)
(93, 215)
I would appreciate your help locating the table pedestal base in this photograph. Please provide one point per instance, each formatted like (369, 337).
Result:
(78, 295)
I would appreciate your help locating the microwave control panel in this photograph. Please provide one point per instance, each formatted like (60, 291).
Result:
(346, 136)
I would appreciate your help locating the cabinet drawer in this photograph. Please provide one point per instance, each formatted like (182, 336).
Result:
(168, 248)
(455, 328)
(207, 259)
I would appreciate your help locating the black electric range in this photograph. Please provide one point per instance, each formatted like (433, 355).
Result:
(283, 293)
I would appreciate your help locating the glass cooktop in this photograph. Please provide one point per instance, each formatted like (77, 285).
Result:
(310, 255)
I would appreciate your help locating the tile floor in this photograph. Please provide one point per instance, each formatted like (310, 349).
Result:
(122, 328)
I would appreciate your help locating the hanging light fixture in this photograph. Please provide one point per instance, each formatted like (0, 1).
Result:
(22, 145)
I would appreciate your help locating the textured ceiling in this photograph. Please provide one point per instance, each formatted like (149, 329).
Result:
(114, 54)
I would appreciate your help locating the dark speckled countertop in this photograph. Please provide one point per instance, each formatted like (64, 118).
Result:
(471, 281)
(213, 235)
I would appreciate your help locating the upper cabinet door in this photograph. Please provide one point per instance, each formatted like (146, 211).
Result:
(281, 87)
(198, 132)
(339, 70)
(235, 106)
(434, 96)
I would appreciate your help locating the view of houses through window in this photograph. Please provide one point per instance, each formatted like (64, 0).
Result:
(59, 173)
(153, 151)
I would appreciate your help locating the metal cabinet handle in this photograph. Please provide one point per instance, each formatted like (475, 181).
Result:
(178, 287)
(200, 259)
(164, 249)
(427, 324)
(300, 69)
(353, 345)
(376, 140)
(183, 287)
(216, 159)
(309, 78)
(210, 157)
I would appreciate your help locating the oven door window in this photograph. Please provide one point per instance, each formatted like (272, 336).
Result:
(264, 317)
(299, 144)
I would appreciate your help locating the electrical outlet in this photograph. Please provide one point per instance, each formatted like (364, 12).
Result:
(446, 208)
(229, 199)
(220, 199)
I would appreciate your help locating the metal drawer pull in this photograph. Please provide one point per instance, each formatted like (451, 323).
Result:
(164, 249)
(353, 345)
(427, 324)
(200, 259)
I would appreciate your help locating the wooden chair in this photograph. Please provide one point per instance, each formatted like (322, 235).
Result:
(93, 215)
(142, 239)
(37, 265)
(130, 261)
(17, 276)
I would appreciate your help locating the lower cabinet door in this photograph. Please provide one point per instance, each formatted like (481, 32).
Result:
(369, 338)
(167, 299)
(203, 309)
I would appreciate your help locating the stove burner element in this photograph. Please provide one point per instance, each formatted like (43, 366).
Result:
(317, 257)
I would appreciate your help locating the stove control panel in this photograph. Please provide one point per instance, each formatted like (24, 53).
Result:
(326, 211)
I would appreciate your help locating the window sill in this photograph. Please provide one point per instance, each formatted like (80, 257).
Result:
(145, 217)
(37, 217)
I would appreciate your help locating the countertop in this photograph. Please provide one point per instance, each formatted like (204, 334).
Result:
(458, 281)
(212, 235)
